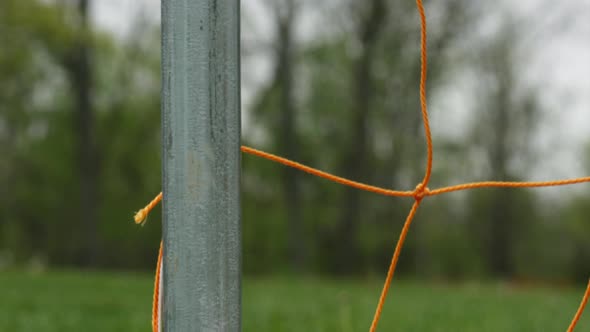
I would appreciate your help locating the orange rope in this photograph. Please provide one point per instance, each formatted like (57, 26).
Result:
(507, 184)
(422, 189)
(140, 218)
(325, 175)
(423, 72)
(580, 309)
(391, 271)
(142, 214)
(419, 193)
(156, 299)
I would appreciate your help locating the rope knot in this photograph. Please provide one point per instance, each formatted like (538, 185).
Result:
(421, 191)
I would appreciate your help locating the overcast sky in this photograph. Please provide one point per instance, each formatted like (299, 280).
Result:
(559, 65)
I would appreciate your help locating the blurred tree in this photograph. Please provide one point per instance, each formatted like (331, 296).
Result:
(40, 122)
(503, 132)
(576, 241)
(285, 16)
(79, 69)
(357, 158)
(276, 104)
(324, 127)
(577, 234)
(30, 32)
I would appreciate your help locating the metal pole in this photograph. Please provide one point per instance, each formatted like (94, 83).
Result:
(201, 165)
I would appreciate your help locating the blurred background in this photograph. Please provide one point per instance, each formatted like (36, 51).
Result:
(333, 84)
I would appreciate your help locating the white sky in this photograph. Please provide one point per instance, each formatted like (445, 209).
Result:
(560, 65)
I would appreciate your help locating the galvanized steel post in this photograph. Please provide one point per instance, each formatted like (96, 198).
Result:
(201, 165)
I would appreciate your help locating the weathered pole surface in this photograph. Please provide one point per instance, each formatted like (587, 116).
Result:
(201, 165)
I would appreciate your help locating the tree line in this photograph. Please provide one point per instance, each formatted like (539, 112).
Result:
(80, 140)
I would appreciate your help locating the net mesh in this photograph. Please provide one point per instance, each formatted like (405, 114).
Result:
(418, 194)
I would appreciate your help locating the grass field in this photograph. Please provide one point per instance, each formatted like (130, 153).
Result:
(88, 302)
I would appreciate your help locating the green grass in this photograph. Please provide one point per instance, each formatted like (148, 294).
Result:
(87, 302)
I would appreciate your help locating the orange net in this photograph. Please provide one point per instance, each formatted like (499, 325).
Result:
(418, 193)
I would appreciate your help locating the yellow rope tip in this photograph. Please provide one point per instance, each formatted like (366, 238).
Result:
(140, 217)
